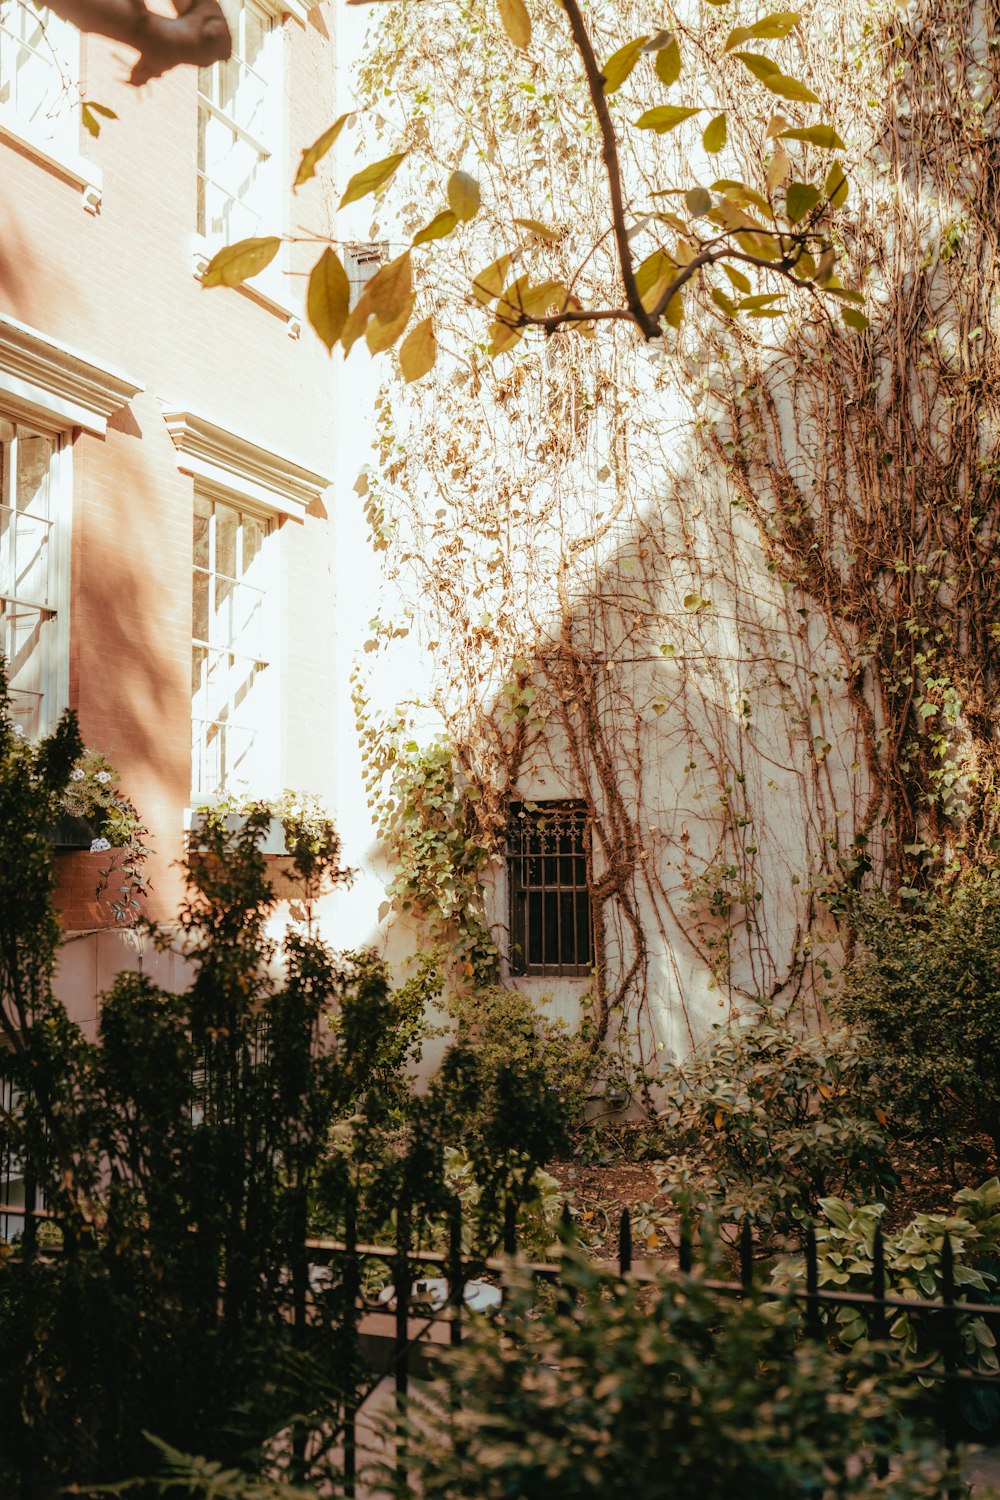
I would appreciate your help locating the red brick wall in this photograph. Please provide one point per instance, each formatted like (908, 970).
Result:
(119, 287)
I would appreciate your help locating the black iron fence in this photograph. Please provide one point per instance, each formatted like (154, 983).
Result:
(426, 1308)
(427, 1303)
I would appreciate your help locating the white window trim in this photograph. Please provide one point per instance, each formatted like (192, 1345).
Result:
(47, 383)
(56, 384)
(271, 286)
(298, 8)
(84, 175)
(240, 470)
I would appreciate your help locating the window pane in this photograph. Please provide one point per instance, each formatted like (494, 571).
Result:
(199, 622)
(228, 681)
(34, 460)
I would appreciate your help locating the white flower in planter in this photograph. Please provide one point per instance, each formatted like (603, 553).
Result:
(76, 774)
(98, 846)
(103, 776)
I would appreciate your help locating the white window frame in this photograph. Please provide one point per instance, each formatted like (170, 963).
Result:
(265, 727)
(272, 286)
(230, 467)
(57, 148)
(46, 385)
(54, 669)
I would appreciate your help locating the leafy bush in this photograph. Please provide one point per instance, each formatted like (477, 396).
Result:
(624, 1390)
(926, 988)
(845, 1255)
(769, 1120)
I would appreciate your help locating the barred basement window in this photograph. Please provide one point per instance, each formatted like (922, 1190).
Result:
(550, 915)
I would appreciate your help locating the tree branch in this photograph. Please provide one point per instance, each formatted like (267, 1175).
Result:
(197, 35)
(595, 85)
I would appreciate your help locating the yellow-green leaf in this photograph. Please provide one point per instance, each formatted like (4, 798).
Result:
(823, 136)
(668, 62)
(699, 201)
(836, 185)
(714, 135)
(441, 224)
(503, 336)
(463, 195)
(739, 281)
(620, 64)
(657, 269)
(790, 88)
(515, 21)
(489, 283)
(328, 297)
(739, 194)
(673, 314)
(381, 334)
(854, 319)
(315, 153)
(544, 231)
(721, 300)
(418, 351)
(235, 264)
(371, 178)
(760, 66)
(665, 117)
(800, 197)
(767, 29)
(389, 288)
(754, 304)
(778, 168)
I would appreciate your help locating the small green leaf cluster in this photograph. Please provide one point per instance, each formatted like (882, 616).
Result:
(767, 1119)
(617, 1390)
(925, 986)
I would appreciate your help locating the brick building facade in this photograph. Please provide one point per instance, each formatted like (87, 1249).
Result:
(166, 558)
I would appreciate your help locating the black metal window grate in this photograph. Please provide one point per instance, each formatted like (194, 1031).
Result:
(550, 913)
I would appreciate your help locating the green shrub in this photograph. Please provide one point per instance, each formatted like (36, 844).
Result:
(769, 1119)
(845, 1254)
(661, 1391)
(925, 986)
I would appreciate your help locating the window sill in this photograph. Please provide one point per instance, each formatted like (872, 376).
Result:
(268, 289)
(58, 158)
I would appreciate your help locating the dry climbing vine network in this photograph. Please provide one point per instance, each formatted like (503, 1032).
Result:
(740, 594)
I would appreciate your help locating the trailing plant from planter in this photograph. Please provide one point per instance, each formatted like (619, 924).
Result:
(93, 794)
